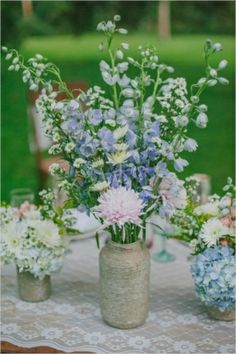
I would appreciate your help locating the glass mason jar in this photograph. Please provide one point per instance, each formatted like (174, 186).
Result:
(226, 315)
(33, 289)
(21, 195)
(124, 284)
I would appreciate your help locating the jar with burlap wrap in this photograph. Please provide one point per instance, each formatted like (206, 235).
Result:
(33, 289)
(226, 315)
(124, 284)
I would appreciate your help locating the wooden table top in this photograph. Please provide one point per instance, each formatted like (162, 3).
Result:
(7, 347)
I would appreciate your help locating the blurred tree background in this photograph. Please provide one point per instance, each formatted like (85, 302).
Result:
(65, 33)
(77, 17)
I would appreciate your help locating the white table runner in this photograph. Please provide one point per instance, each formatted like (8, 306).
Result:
(70, 320)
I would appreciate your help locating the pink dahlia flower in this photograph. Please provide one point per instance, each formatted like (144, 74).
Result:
(119, 206)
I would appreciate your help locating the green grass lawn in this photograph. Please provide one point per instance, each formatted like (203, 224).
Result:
(78, 58)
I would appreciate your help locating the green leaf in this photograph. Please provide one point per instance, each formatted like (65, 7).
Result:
(69, 204)
(97, 240)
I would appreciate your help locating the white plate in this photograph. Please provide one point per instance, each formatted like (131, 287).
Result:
(87, 226)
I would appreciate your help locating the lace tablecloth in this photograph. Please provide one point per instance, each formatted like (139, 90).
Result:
(70, 320)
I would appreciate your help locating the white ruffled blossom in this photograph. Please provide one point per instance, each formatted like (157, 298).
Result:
(211, 231)
(69, 147)
(100, 186)
(118, 157)
(120, 132)
(78, 162)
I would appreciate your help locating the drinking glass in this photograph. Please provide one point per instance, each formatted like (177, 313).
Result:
(21, 195)
(165, 229)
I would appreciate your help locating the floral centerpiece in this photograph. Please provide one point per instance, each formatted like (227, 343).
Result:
(210, 230)
(123, 139)
(36, 245)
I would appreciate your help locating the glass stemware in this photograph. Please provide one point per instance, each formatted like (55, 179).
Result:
(21, 195)
(162, 229)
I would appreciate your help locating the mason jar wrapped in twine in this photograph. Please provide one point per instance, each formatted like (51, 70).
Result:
(124, 284)
(33, 289)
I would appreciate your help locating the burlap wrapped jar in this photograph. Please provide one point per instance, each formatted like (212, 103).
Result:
(124, 284)
(33, 289)
(226, 315)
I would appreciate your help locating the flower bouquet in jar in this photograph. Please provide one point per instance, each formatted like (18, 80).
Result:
(123, 142)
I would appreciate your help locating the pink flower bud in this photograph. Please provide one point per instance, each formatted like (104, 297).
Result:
(224, 243)
(226, 220)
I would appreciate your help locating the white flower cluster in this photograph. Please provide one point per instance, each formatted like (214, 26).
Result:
(109, 27)
(210, 224)
(34, 244)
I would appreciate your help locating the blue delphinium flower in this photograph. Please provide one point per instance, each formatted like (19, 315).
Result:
(107, 139)
(146, 194)
(151, 133)
(214, 275)
(87, 145)
(95, 116)
(179, 164)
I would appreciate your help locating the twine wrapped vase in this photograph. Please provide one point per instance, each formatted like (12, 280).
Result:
(226, 315)
(124, 284)
(33, 289)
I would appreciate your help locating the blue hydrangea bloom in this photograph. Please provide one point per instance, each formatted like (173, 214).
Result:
(214, 275)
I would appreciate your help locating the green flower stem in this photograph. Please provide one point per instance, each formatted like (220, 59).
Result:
(115, 95)
(63, 84)
(155, 87)
(144, 231)
(141, 121)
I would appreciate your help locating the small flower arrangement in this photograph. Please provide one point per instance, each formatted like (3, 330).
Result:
(214, 274)
(211, 224)
(129, 135)
(35, 244)
(210, 230)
